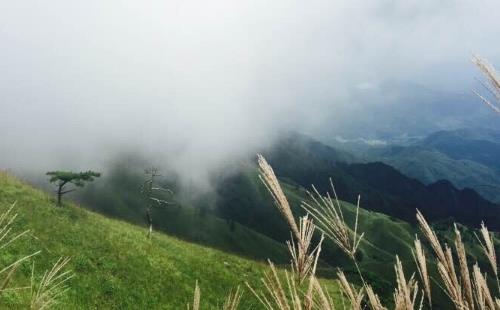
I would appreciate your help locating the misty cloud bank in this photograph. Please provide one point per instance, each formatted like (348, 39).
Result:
(204, 82)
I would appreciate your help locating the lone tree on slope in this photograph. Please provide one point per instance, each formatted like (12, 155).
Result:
(148, 191)
(64, 178)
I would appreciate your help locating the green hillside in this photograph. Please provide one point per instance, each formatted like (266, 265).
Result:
(118, 195)
(241, 208)
(243, 200)
(115, 266)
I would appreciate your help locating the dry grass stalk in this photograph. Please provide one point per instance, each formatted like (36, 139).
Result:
(489, 72)
(327, 212)
(302, 258)
(323, 300)
(466, 293)
(406, 292)
(272, 184)
(233, 299)
(355, 296)
(493, 81)
(374, 299)
(51, 287)
(274, 296)
(421, 262)
(483, 295)
(431, 237)
(449, 277)
(330, 220)
(314, 286)
(464, 270)
(489, 250)
(6, 220)
(196, 298)
(445, 264)
(7, 237)
(302, 255)
(286, 295)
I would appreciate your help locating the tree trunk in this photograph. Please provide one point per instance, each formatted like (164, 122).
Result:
(59, 194)
(150, 222)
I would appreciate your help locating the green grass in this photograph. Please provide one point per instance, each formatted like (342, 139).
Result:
(115, 266)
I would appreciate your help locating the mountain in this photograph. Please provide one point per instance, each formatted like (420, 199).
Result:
(240, 219)
(244, 208)
(241, 203)
(383, 188)
(400, 111)
(467, 158)
(466, 144)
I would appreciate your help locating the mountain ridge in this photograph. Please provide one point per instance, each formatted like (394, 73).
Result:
(384, 188)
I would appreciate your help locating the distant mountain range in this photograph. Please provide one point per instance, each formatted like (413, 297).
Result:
(467, 158)
(239, 216)
(300, 161)
(382, 187)
(399, 111)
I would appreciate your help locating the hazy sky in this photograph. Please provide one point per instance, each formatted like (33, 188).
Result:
(204, 81)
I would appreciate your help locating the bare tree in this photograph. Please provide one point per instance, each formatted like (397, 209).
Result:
(149, 191)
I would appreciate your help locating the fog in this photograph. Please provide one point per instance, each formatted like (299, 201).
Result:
(205, 82)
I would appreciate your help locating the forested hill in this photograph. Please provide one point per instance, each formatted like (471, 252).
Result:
(382, 187)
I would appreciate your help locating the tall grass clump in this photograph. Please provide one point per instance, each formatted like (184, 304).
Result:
(330, 221)
(51, 287)
(299, 288)
(231, 302)
(8, 237)
(464, 283)
(303, 254)
(492, 83)
(44, 294)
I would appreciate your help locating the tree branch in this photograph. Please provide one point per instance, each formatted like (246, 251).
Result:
(68, 191)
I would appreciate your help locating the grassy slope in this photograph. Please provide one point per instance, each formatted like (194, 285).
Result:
(117, 195)
(379, 249)
(115, 266)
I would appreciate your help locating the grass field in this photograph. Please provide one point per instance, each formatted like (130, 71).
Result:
(115, 266)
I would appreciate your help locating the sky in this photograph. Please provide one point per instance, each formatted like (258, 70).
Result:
(204, 82)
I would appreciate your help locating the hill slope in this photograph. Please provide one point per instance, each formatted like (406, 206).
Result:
(115, 266)
(118, 195)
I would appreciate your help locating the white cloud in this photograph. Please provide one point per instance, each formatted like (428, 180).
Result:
(205, 81)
